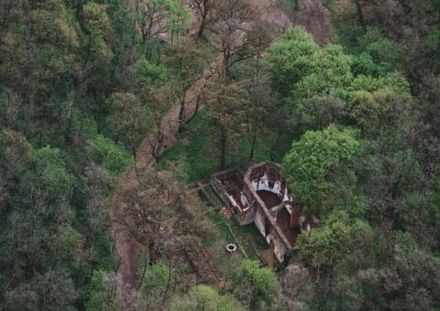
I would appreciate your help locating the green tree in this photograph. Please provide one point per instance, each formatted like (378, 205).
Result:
(317, 168)
(36, 227)
(393, 180)
(97, 55)
(285, 55)
(98, 27)
(109, 154)
(399, 276)
(177, 18)
(256, 287)
(38, 61)
(203, 297)
(381, 105)
(325, 70)
(149, 73)
(310, 79)
(102, 292)
(326, 246)
(97, 22)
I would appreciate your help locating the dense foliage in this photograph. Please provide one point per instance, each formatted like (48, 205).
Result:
(71, 73)
(354, 123)
(364, 161)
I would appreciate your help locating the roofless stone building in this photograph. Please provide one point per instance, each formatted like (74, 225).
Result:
(261, 196)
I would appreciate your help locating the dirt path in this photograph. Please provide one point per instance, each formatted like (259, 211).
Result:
(126, 246)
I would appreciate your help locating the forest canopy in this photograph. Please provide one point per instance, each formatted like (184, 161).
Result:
(114, 114)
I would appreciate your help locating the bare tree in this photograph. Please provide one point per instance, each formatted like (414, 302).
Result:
(160, 209)
(189, 59)
(259, 36)
(230, 23)
(203, 7)
(149, 18)
(157, 17)
(159, 100)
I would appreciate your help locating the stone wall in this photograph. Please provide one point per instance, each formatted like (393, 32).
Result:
(264, 219)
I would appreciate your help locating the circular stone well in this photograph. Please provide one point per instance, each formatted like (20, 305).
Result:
(230, 248)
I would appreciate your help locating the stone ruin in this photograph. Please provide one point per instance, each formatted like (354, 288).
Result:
(261, 197)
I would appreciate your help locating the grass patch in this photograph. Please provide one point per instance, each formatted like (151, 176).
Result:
(230, 230)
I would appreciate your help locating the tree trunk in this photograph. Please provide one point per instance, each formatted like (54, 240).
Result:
(360, 13)
(182, 113)
(196, 110)
(89, 47)
(98, 116)
(226, 64)
(222, 149)
(157, 144)
(200, 33)
(254, 140)
(197, 106)
(257, 69)
(133, 150)
(272, 148)
(203, 8)
(144, 271)
(166, 294)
